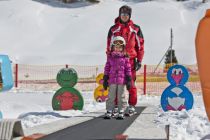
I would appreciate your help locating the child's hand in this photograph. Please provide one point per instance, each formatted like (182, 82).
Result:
(105, 83)
(137, 65)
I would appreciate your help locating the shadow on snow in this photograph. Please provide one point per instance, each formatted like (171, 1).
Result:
(43, 114)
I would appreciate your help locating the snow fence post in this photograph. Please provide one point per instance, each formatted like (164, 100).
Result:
(167, 129)
(96, 71)
(145, 78)
(67, 65)
(16, 75)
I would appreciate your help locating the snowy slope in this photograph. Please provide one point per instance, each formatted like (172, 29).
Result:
(36, 33)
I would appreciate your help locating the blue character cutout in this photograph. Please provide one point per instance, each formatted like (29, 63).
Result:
(6, 78)
(176, 96)
(1, 115)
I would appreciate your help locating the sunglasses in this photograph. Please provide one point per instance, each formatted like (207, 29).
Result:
(118, 42)
(124, 14)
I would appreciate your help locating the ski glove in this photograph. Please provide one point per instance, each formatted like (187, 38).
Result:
(137, 65)
(128, 82)
(105, 83)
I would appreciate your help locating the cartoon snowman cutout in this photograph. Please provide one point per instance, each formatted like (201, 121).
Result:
(67, 97)
(100, 95)
(177, 96)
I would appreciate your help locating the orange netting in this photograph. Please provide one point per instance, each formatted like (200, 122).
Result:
(43, 78)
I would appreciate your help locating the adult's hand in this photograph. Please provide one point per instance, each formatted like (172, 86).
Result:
(137, 65)
(128, 82)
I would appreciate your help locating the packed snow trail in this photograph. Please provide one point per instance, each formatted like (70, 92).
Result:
(97, 128)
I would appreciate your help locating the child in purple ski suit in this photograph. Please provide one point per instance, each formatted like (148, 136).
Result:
(117, 74)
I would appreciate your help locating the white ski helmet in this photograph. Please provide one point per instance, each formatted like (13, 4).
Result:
(118, 38)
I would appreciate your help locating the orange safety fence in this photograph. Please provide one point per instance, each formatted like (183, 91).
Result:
(43, 78)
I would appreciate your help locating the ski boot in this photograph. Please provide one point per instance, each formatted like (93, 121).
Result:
(120, 115)
(115, 112)
(131, 111)
(108, 115)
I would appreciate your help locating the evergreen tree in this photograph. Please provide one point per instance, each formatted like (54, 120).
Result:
(170, 57)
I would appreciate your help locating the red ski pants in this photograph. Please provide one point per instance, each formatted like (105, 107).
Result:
(132, 100)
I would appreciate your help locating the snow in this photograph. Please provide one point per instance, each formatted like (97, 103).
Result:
(192, 124)
(41, 32)
(37, 110)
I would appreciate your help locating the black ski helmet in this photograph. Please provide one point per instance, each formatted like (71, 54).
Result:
(125, 9)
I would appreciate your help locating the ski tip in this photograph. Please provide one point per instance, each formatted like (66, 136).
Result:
(107, 118)
(120, 118)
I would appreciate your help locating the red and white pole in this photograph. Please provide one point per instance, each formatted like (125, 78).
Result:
(145, 78)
